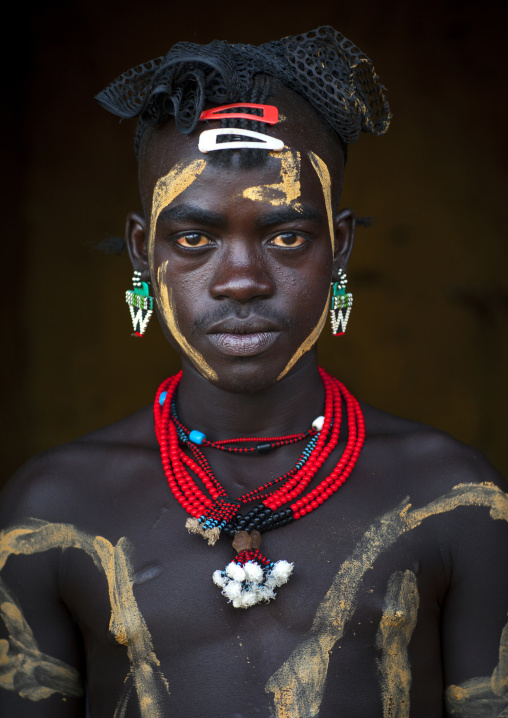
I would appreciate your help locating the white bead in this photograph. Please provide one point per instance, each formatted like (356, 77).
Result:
(318, 423)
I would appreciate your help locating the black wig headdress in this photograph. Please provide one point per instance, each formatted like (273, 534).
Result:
(322, 66)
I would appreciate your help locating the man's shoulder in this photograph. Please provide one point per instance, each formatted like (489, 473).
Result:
(417, 454)
(71, 476)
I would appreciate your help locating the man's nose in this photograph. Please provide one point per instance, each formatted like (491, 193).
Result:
(242, 274)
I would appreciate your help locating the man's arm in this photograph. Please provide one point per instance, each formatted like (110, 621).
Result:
(475, 610)
(41, 655)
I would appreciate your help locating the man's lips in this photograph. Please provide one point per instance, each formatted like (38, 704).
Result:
(250, 325)
(235, 337)
(243, 344)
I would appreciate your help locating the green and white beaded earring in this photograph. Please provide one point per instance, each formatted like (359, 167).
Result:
(140, 304)
(340, 301)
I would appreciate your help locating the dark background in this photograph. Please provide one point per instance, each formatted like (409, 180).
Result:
(427, 337)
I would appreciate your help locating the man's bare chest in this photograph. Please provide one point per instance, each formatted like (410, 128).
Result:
(353, 579)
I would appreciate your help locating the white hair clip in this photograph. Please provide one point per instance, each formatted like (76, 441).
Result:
(208, 140)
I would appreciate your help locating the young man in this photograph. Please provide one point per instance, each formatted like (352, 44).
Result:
(370, 576)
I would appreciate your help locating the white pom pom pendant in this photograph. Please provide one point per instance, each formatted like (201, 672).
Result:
(251, 578)
(244, 582)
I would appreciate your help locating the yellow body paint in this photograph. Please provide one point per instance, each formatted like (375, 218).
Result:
(167, 188)
(395, 630)
(309, 341)
(486, 696)
(287, 191)
(168, 310)
(324, 177)
(299, 684)
(23, 667)
(326, 183)
(126, 623)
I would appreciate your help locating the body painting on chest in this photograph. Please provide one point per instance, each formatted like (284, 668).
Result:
(392, 640)
(24, 665)
(298, 685)
(324, 177)
(166, 190)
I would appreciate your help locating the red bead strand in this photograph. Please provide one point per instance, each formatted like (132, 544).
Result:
(176, 462)
(297, 484)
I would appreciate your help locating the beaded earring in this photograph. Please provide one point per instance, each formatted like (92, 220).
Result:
(340, 300)
(140, 304)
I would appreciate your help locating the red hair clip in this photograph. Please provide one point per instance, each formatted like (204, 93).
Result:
(270, 113)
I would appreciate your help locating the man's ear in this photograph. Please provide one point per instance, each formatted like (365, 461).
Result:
(136, 240)
(344, 226)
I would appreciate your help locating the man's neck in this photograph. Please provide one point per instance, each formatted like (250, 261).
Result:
(290, 406)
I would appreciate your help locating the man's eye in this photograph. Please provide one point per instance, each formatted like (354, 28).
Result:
(288, 239)
(193, 240)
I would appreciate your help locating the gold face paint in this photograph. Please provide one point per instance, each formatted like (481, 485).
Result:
(287, 190)
(182, 176)
(166, 190)
(309, 341)
(395, 630)
(167, 308)
(324, 177)
(299, 684)
(126, 623)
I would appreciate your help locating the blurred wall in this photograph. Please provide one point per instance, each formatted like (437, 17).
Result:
(427, 338)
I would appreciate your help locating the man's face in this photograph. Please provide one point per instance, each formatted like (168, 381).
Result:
(240, 259)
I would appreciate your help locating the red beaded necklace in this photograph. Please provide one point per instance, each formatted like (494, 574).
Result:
(251, 577)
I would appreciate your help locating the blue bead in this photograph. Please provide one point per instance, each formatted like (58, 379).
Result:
(162, 397)
(197, 437)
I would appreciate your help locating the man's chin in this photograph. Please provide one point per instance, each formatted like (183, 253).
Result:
(246, 377)
(242, 375)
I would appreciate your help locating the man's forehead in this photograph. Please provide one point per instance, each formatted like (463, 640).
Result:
(283, 178)
(299, 127)
(289, 179)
